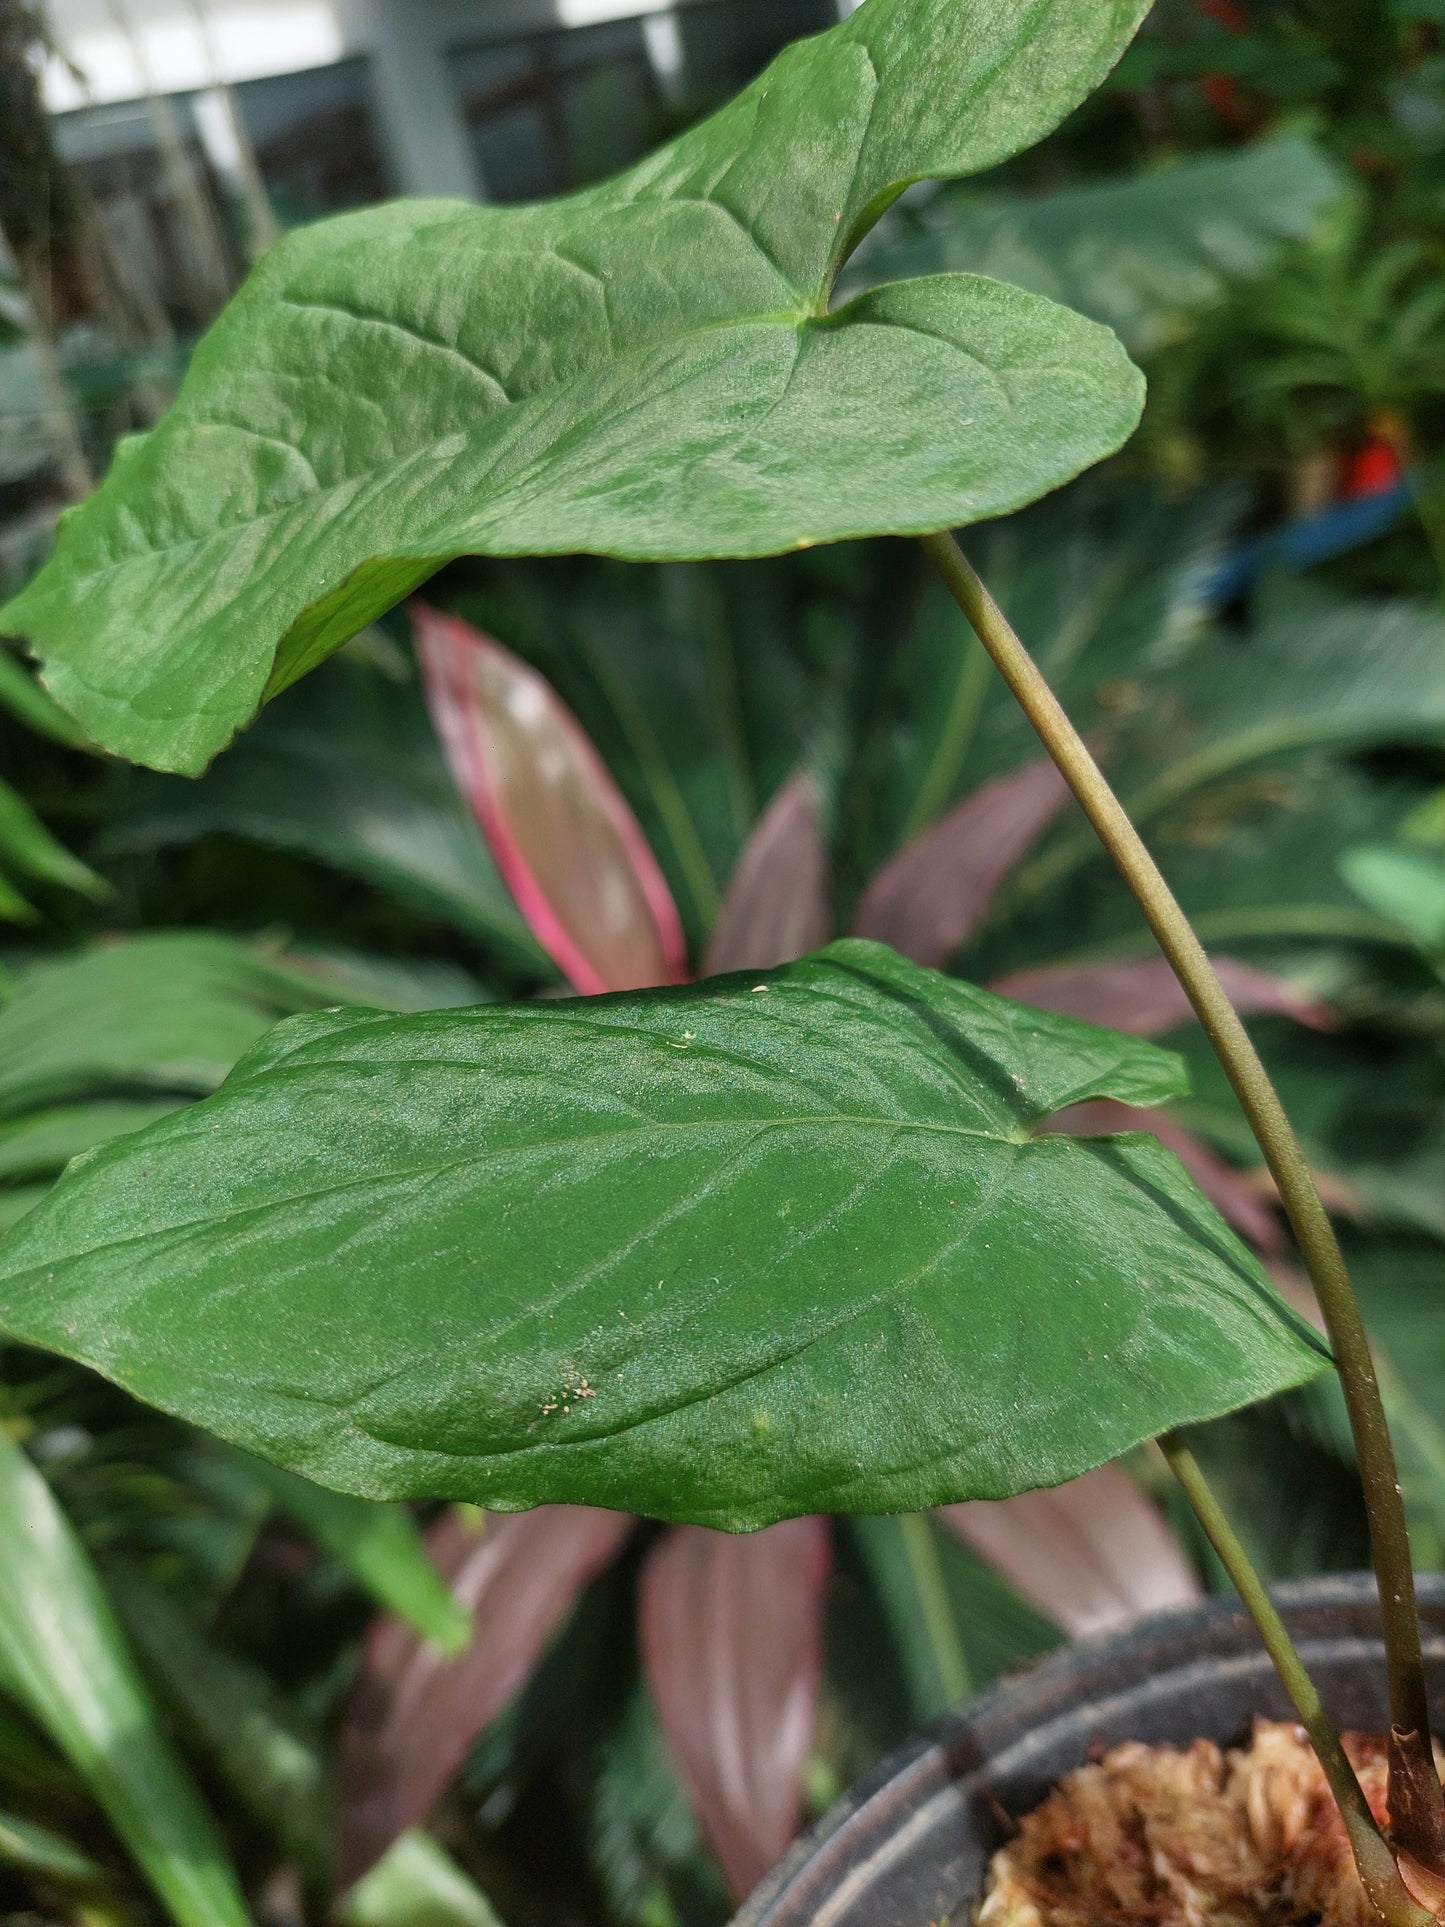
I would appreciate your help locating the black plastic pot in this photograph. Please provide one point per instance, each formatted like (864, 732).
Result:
(910, 1844)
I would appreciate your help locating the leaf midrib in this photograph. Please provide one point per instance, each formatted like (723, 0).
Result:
(494, 1156)
(361, 476)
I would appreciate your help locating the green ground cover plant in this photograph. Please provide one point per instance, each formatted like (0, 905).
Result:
(711, 1252)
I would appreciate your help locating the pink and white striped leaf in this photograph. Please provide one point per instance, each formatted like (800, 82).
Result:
(776, 907)
(1091, 1554)
(414, 1713)
(1142, 995)
(1238, 1196)
(933, 894)
(563, 836)
(732, 1646)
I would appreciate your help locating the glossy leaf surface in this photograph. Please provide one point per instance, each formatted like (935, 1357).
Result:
(648, 369)
(732, 1648)
(415, 1711)
(558, 827)
(1235, 1194)
(723, 1253)
(64, 1658)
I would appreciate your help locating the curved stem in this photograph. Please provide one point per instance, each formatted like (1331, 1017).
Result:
(1379, 1875)
(1389, 1543)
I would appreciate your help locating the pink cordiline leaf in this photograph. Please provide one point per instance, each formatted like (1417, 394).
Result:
(570, 849)
(776, 906)
(933, 894)
(1142, 995)
(1091, 1554)
(1237, 1195)
(413, 1712)
(732, 1647)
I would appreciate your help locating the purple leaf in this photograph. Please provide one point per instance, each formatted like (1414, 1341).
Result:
(1091, 1554)
(732, 1646)
(776, 907)
(935, 891)
(1237, 1195)
(414, 1713)
(571, 851)
(1143, 996)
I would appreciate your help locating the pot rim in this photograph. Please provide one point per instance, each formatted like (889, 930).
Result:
(1204, 1637)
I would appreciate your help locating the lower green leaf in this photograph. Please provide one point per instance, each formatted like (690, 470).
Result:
(63, 1657)
(770, 1244)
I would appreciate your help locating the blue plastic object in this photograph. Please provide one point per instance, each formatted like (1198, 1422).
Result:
(1316, 538)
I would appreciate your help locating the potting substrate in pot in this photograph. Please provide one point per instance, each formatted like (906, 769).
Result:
(911, 1844)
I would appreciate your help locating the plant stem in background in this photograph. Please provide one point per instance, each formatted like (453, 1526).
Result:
(1378, 1872)
(1415, 1798)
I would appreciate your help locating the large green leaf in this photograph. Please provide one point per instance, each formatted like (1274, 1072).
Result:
(650, 368)
(772, 1244)
(64, 1658)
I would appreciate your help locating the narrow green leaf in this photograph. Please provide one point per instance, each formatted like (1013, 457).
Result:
(648, 369)
(1323, 670)
(36, 1849)
(399, 1253)
(165, 1009)
(15, 908)
(417, 1884)
(382, 1548)
(23, 696)
(904, 1555)
(1404, 884)
(27, 846)
(236, 1713)
(64, 1658)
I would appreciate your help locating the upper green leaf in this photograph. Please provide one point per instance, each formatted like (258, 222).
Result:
(770, 1244)
(647, 369)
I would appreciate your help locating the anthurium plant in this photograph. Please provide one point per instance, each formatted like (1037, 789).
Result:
(728, 1252)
